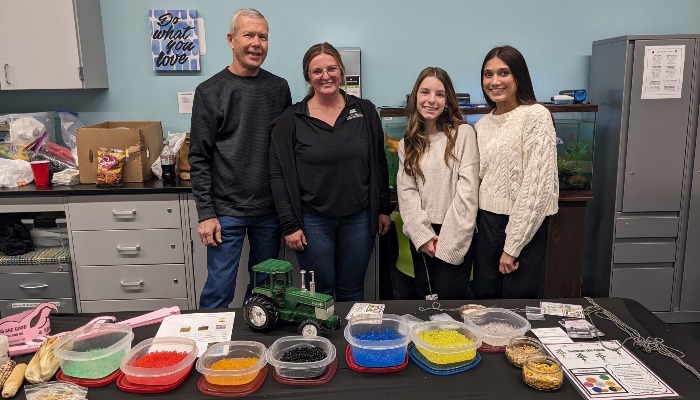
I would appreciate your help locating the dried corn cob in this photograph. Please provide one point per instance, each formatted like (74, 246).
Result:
(5, 371)
(15, 380)
(44, 364)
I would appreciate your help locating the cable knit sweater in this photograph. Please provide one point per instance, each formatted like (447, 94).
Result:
(449, 195)
(518, 153)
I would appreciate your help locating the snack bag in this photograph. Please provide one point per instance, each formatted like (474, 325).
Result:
(109, 167)
(13, 151)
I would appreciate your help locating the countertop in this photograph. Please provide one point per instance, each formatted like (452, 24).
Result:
(153, 185)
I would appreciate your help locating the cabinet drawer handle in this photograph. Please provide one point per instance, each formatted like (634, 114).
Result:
(42, 286)
(129, 248)
(126, 213)
(7, 78)
(132, 284)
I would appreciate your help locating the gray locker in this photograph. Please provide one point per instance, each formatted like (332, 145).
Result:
(637, 226)
(656, 139)
(690, 295)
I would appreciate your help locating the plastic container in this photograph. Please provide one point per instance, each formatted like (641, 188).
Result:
(543, 373)
(496, 326)
(93, 351)
(158, 376)
(371, 344)
(394, 127)
(300, 370)
(48, 237)
(469, 308)
(520, 348)
(236, 352)
(445, 354)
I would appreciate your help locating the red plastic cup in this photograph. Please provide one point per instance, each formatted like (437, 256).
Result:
(40, 169)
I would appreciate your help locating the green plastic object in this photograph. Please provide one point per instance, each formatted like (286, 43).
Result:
(404, 263)
(278, 299)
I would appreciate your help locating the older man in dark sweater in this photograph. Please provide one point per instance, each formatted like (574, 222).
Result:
(230, 140)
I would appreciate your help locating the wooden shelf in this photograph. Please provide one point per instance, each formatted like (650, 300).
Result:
(555, 108)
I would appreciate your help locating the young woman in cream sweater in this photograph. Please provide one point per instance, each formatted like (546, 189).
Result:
(519, 183)
(437, 185)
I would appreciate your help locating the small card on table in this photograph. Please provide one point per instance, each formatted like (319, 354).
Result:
(366, 310)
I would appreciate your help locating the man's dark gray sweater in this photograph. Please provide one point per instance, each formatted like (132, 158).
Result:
(230, 141)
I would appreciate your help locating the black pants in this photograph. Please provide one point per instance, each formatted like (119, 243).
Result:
(448, 281)
(526, 282)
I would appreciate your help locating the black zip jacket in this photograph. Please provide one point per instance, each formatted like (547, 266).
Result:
(283, 171)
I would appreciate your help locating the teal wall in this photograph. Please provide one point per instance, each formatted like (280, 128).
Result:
(397, 37)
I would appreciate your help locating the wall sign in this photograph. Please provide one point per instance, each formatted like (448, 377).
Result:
(174, 40)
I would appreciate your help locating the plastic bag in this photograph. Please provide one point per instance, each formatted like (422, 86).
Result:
(66, 177)
(55, 390)
(175, 141)
(25, 130)
(110, 167)
(69, 126)
(13, 151)
(59, 157)
(15, 173)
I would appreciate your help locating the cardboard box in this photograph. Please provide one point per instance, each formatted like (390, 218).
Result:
(143, 139)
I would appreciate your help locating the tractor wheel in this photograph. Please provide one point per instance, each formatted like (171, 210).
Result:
(260, 314)
(310, 327)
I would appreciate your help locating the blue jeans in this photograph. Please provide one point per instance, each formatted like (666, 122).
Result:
(222, 261)
(338, 251)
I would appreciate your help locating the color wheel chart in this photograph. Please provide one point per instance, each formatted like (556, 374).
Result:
(598, 380)
(607, 370)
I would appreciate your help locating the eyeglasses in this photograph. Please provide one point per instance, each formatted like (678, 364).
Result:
(333, 70)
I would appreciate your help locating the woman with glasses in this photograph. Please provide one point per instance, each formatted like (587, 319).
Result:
(438, 187)
(519, 183)
(329, 178)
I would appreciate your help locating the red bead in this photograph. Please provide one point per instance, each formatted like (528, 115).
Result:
(159, 359)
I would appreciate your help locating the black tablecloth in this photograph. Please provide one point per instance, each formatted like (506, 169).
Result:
(493, 378)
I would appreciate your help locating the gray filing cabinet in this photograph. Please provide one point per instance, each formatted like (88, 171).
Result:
(129, 252)
(637, 222)
(690, 295)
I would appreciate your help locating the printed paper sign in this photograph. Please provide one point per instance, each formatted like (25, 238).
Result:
(607, 370)
(204, 328)
(663, 72)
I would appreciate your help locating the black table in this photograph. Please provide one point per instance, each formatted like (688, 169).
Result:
(493, 378)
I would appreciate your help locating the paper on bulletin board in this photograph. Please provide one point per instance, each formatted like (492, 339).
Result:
(184, 102)
(663, 72)
(607, 370)
(204, 328)
(352, 85)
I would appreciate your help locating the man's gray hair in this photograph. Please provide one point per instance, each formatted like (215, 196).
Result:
(246, 12)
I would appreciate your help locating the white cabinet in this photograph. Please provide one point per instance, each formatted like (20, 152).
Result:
(51, 44)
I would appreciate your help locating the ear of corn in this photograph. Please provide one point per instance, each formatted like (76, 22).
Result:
(44, 364)
(5, 371)
(14, 381)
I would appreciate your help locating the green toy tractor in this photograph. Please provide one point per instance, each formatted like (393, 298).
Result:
(278, 299)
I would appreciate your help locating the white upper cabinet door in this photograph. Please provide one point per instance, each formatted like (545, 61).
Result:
(40, 44)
